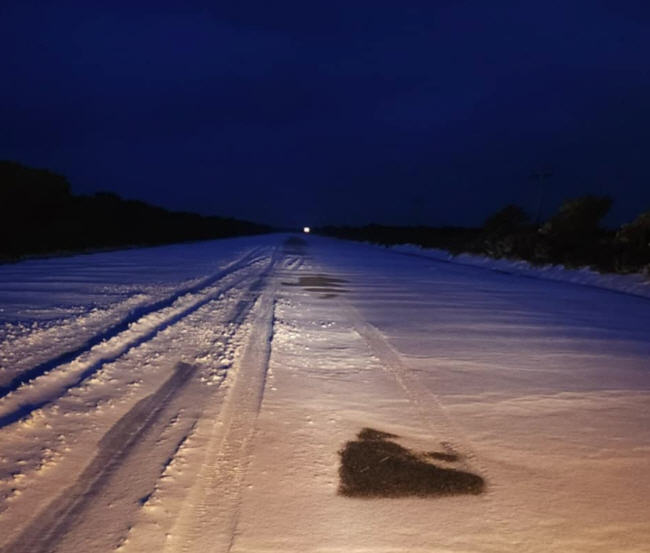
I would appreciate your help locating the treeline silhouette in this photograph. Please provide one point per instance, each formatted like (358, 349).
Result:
(39, 215)
(573, 237)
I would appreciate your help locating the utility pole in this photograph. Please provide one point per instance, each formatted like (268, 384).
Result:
(541, 176)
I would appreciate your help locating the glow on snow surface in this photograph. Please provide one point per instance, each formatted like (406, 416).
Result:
(216, 417)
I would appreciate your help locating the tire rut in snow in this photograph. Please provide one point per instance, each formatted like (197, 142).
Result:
(73, 520)
(24, 409)
(123, 324)
(428, 405)
(209, 516)
(42, 535)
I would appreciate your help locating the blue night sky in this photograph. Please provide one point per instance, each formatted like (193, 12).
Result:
(309, 112)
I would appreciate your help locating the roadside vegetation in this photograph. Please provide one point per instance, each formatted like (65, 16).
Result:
(573, 237)
(40, 216)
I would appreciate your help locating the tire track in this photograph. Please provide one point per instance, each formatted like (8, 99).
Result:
(65, 515)
(42, 535)
(209, 515)
(17, 408)
(431, 410)
(123, 324)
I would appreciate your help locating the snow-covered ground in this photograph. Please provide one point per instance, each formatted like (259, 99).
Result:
(638, 284)
(197, 398)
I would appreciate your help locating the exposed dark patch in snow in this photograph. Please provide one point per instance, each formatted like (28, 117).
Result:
(328, 286)
(294, 246)
(375, 466)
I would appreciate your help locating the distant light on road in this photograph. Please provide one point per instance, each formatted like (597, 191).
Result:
(306, 230)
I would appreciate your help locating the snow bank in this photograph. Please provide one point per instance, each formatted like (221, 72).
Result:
(636, 284)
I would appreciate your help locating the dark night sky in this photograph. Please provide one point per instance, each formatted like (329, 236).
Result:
(310, 112)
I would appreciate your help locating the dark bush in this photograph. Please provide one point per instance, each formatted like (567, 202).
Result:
(573, 234)
(579, 216)
(508, 220)
(508, 233)
(633, 245)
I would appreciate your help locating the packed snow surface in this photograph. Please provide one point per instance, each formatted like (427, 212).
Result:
(199, 397)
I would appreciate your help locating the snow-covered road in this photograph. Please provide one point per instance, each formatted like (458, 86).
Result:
(203, 397)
